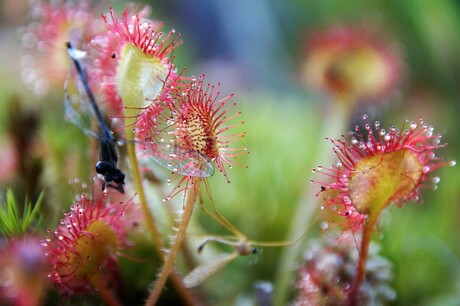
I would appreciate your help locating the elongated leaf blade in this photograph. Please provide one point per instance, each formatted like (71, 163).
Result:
(201, 273)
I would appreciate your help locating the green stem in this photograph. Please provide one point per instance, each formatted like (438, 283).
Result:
(308, 204)
(353, 295)
(187, 298)
(168, 265)
(149, 220)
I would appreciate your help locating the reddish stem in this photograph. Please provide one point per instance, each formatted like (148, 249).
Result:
(105, 293)
(353, 295)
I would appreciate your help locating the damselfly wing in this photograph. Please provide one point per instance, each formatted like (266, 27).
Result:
(178, 160)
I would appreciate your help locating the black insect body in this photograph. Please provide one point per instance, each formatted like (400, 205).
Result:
(107, 164)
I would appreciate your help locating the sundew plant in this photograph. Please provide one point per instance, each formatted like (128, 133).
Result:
(224, 154)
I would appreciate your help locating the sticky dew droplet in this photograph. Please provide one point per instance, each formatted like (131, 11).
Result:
(324, 226)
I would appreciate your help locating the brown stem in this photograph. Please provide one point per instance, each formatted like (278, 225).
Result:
(353, 295)
(170, 258)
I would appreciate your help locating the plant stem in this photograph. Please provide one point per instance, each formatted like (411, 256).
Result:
(187, 298)
(353, 295)
(149, 220)
(103, 291)
(307, 206)
(168, 265)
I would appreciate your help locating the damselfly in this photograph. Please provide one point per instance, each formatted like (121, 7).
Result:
(108, 157)
(167, 154)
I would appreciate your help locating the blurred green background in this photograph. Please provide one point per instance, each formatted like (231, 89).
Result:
(255, 49)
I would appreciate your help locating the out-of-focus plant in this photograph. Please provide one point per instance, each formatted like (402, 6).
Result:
(12, 221)
(46, 67)
(22, 261)
(329, 269)
(350, 65)
(22, 271)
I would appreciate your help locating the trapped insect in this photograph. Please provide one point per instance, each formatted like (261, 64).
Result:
(166, 154)
(108, 157)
